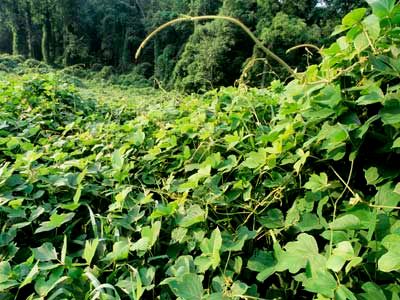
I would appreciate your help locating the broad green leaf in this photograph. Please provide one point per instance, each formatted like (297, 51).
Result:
(322, 283)
(390, 261)
(342, 253)
(194, 214)
(298, 254)
(361, 42)
(255, 160)
(5, 271)
(264, 263)
(330, 96)
(236, 242)
(390, 114)
(372, 292)
(148, 239)
(43, 287)
(273, 219)
(386, 196)
(210, 248)
(346, 222)
(120, 251)
(90, 250)
(317, 183)
(382, 8)
(372, 27)
(343, 293)
(117, 160)
(354, 17)
(239, 288)
(46, 252)
(187, 287)
(396, 143)
(56, 221)
(31, 275)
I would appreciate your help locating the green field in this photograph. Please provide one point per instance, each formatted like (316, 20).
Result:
(112, 191)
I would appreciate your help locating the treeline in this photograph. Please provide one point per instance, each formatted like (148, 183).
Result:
(197, 56)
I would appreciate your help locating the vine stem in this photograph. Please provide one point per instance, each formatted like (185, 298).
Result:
(214, 17)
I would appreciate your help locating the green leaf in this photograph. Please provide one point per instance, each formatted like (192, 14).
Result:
(236, 242)
(361, 42)
(372, 292)
(321, 283)
(117, 161)
(255, 160)
(298, 254)
(390, 114)
(396, 143)
(390, 261)
(342, 253)
(372, 27)
(55, 222)
(354, 17)
(195, 214)
(46, 252)
(346, 222)
(317, 183)
(382, 8)
(43, 287)
(90, 250)
(187, 287)
(386, 196)
(273, 219)
(210, 248)
(31, 275)
(264, 263)
(239, 288)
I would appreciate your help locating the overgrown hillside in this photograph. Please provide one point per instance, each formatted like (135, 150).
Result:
(288, 192)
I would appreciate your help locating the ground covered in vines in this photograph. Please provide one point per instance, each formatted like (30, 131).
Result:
(288, 192)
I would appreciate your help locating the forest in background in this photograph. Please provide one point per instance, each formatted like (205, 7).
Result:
(192, 57)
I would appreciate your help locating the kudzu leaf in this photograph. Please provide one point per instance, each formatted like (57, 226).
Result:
(195, 214)
(187, 287)
(390, 261)
(56, 221)
(298, 254)
(46, 252)
(396, 143)
(386, 196)
(361, 42)
(372, 292)
(317, 183)
(210, 248)
(390, 113)
(239, 288)
(255, 160)
(236, 242)
(354, 17)
(372, 27)
(342, 253)
(264, 263)
(31, 275)
(382, 8)
(273, 219)
(117, 161)
(321, 283)
(343, 293)
(346, 222)
(90, 250)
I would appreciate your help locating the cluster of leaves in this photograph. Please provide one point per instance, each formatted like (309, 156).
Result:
(296, 186)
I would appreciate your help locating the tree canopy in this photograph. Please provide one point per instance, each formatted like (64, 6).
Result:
(190, 56)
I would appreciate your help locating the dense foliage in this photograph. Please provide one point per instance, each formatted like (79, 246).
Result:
(96, 33)
(287, 192)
